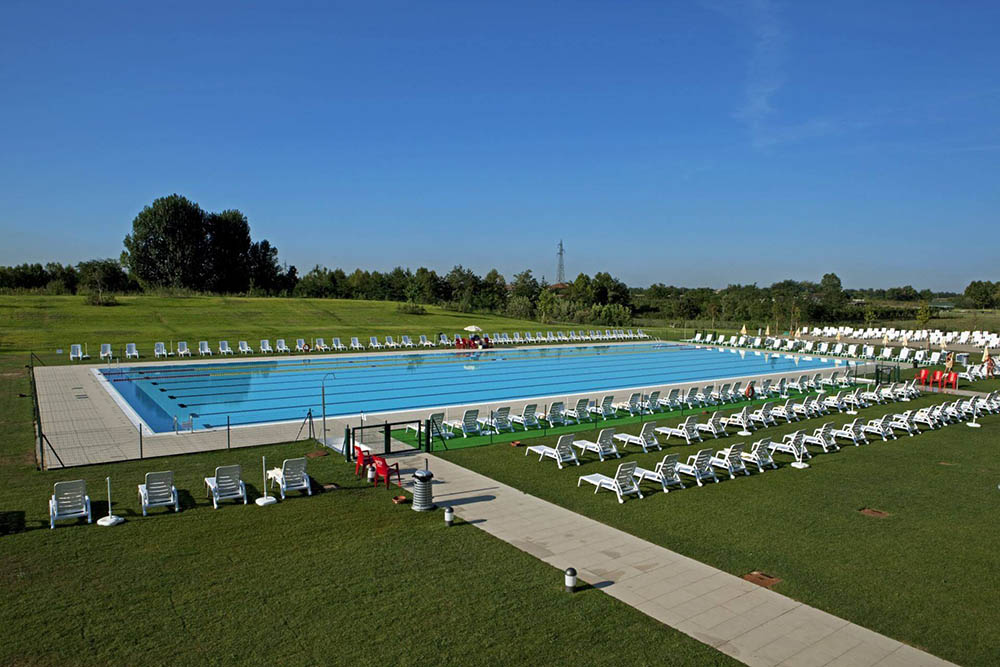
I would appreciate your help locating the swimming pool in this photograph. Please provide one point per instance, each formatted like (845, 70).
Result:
(285, 389)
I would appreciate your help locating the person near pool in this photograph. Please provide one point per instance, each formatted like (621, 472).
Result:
(949, 362)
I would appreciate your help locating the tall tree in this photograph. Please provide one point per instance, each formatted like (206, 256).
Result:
(263, 267)
(168, 244)
(228, 252)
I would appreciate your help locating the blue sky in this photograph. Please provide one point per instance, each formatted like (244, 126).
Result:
(696, 143)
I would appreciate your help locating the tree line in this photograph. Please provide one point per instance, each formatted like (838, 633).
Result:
(176, 245)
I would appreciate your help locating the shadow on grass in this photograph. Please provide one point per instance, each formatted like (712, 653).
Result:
(12, 522)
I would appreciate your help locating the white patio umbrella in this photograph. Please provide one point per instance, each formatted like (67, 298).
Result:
(473, 328)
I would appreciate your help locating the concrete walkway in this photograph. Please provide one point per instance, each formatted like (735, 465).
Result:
(743, 620)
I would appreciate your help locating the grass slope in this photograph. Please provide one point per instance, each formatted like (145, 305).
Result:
(925, 575)
(343, 577)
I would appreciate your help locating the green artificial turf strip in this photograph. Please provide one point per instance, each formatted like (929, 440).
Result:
(925, 575)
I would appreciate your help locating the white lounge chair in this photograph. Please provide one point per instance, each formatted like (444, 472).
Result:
(581, 412)
(786, 411)
(291, 476)
(106, 352)
(182, 349)
(880, 427)
(356, 344)
(527, 418)
(227, 484)
(406, 342)
(665, 473)
(374, 344)
(714, 426)
(633, 405)
(131, 351)
(245, 347)
(158, 491)
(498, 420)
(623, 483)
(763, 416)
(793, 444)
(160, 350)
(300, 345)
(852, 431)
(904, 422)
(556, 416)
(646, 438)
(760, 455)
(69, 501)
(280, 346)
(822, 437)
(699, 466)
(604, 447)
(468, 424)
(320, 345)
(561, 453)
(688, 430)
(390, 343)
(265, 347)
(76, 353)
(204, 349)
(444, 340)
(730, 459)
(740, 419)
(224, 348)
(605, 409)
(337, 345)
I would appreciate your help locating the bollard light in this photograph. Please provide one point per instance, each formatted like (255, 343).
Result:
(570, 579)
(449, 516)
(371, 473)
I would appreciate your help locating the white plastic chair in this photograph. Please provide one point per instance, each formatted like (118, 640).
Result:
(291, 476)
(226, 485)
(69, 501)
(159, 491)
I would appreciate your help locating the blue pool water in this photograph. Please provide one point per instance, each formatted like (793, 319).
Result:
(285, 389)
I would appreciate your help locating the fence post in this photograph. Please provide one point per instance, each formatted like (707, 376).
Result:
(348, 449)
(428, 434)
(388, 438)
(227, 432)
(140, 440)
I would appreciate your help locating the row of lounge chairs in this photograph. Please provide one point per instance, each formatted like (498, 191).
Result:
(586, 409)
(70, 500)
(734, 460)
(160, 349)
(979, 339)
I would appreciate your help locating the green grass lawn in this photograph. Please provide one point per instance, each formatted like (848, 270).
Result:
(342, 577)
(925, 575)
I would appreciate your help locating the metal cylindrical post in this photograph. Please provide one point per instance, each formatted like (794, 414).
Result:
(227, 432)
(569, 579)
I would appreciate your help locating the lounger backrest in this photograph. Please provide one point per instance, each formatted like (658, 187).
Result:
(502, 417)
(654, 398)
(469, 422)
(624, 476)
(70, 496)
(437, 423)
(690, 425)
(354, 340)
(227, 479)
(673, 395)
(388, 339)
(130, 348)
(668, 466)
(735, 455)
(702, 459)
(606, 403)
(373, 340)
(528, 413)
(581, 406)
(158, 347)
(761, 451)
(337, 343)
(716, 421)
(224, 344)
(294, 471)
(564, 448)
(106, 348)
(203, 346)
(300, 342)
(159, 486)
(281, 343)
(648, 433)
(605, 440)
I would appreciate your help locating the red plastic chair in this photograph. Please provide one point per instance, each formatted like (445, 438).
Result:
(938, 379)
(922, 376)
(383, 470)
(951, 380)
(361, 460)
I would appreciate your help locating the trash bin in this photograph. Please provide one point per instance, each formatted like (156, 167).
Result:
(423, 500)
